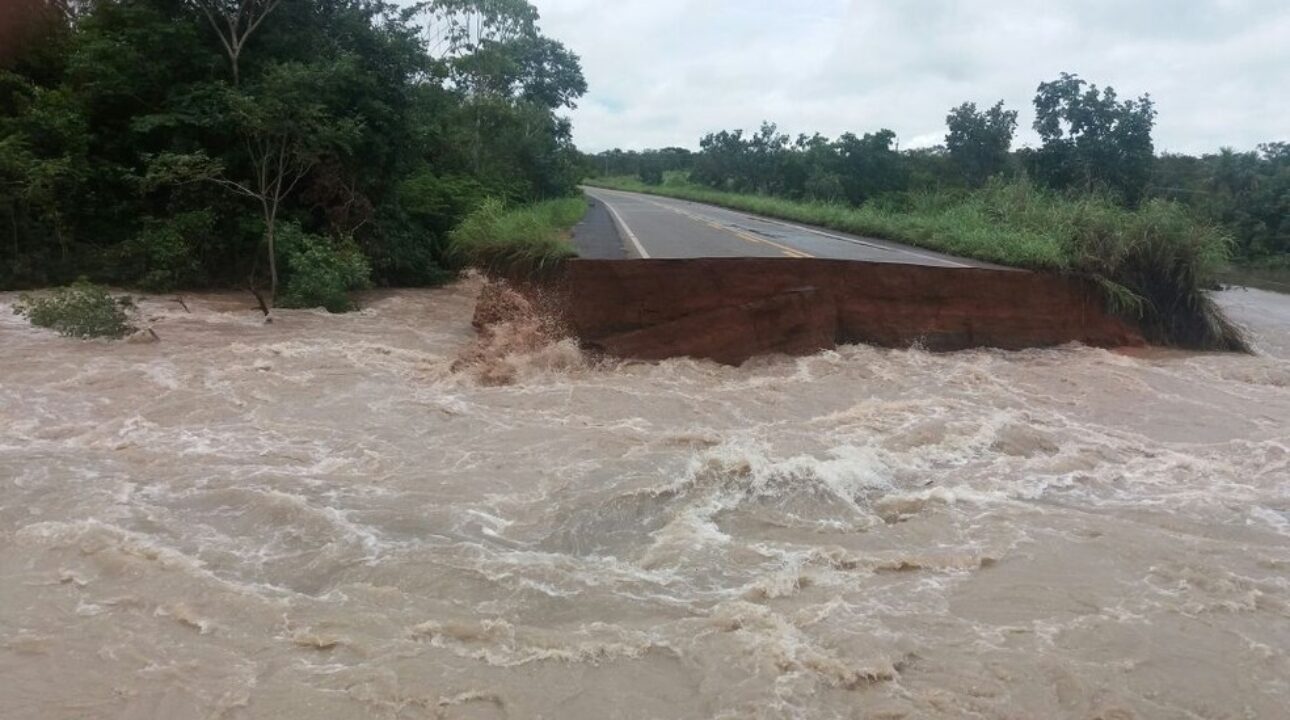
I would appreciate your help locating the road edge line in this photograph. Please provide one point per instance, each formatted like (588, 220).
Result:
(622, 225)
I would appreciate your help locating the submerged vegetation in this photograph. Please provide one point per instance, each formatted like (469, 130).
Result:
(306, 146)
(321, 270)
(518, 241)
(80, 310)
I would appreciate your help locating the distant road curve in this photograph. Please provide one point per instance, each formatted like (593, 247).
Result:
(650, 226)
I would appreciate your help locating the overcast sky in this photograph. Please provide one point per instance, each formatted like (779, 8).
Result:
(665, 72)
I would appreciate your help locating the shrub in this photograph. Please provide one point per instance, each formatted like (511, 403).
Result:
(1157, 263)
(402, 251)
(824, 187)
(439, 202)
(651, 173)
(81, 310)
(165, 254)
(521, 240)
(320, 272)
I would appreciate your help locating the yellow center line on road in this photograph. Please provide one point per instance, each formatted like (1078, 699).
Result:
(747, 237)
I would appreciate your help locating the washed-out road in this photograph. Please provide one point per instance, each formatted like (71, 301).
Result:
(625, 224)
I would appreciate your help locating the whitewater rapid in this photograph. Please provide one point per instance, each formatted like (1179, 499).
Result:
(330, 517)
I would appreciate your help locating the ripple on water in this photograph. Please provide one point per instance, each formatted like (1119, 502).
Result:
(380, 514)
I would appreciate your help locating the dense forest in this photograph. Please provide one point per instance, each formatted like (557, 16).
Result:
(325, 144)
(1091, 142)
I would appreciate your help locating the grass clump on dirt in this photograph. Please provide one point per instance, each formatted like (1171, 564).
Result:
(519, 240)
(1154, 262)
(80, 310)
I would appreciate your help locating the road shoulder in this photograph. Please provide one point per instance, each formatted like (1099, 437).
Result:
(597, 237)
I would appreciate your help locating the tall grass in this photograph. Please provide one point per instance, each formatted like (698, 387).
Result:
(519, 240)
(1154, 262)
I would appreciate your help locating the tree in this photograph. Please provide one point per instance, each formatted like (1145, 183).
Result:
(979, 142)
(869, 165)
(287, 129)
(494, 52)
(234, 21)
(720, 161)
(651, 172)
(1091, 139)
(23, 25)
(457, 28)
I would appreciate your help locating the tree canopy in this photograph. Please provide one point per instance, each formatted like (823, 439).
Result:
(1092, 139)
(168, 143)
(979, 141)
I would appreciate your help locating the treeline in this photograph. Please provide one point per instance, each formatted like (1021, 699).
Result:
(1092, 142)
(328, 143)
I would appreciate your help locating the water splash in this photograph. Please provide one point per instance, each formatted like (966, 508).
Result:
(389, 514)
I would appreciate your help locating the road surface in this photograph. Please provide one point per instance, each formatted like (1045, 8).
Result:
(649, 226)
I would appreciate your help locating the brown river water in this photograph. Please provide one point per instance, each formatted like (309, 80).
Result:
(320, 519)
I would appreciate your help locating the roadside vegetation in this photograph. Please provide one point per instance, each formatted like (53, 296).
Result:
(1088, 201)
(80, 310)
(298, 148)
(518, 241)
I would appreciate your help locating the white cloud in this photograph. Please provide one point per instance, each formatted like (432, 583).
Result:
(665, 72)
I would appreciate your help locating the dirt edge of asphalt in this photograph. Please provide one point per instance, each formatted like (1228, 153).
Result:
(596, 237)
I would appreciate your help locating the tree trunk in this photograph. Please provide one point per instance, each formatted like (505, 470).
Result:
(273, 262)
(13, 223)
(478, 138)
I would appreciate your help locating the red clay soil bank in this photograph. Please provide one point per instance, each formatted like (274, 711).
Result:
(731, 309)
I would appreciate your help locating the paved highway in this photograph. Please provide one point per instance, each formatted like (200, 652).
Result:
(649, 226)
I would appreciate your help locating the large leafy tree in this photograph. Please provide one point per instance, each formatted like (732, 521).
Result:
(979, 141)
(869, 165)
(1092, 139)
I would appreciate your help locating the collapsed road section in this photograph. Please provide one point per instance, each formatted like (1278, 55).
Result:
(732, 309)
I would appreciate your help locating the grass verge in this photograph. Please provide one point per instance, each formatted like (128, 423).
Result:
(1154, 263)
(519, 240)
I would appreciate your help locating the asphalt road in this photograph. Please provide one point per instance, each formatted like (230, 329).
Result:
(650, 226)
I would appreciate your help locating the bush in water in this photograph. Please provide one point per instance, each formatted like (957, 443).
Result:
(321, 272)
(81, 310)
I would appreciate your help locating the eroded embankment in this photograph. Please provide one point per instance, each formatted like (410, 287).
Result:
(732, 309)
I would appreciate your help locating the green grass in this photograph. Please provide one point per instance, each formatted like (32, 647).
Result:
(519, 240)
(1154, 263)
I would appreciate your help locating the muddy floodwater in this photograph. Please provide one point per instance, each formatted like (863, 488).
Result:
(320, 519)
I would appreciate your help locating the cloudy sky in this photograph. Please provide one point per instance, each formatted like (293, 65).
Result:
(664, 72)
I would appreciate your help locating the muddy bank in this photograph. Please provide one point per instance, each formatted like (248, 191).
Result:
(732, 309)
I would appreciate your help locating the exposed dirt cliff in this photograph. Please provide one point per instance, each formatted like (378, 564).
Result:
(731, 309)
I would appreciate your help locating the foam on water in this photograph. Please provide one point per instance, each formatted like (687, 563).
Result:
(381, 514)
